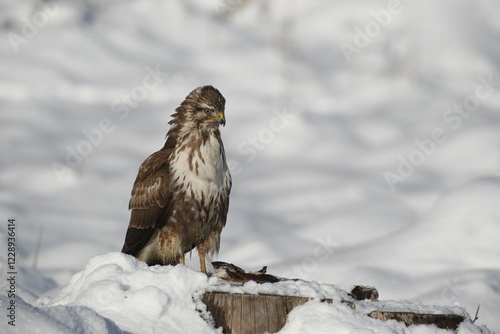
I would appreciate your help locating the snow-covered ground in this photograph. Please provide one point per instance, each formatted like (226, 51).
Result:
(363, 139)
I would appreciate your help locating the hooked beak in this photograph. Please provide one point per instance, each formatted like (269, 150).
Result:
(221, 118)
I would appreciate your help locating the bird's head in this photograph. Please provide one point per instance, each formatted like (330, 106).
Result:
(203, 108)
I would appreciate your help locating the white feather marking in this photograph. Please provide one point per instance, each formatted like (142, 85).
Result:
(207, 174)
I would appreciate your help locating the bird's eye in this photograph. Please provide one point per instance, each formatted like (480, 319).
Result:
(207, 111)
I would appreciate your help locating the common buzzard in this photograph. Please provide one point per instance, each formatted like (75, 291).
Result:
(180, 197)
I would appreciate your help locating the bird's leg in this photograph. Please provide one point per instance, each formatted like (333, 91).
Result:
(204, 248)
(203, 267)
(182, 260)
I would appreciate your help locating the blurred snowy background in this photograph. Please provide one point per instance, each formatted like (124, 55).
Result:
(363, 137)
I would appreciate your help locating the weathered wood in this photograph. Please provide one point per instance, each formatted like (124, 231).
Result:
(234, 318)
(257, 314)
(445, 321)
(252, 314)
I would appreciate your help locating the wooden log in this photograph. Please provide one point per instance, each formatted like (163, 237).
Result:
(445, 321)
(257, 314)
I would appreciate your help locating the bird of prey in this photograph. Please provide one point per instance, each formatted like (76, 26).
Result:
(180, 197)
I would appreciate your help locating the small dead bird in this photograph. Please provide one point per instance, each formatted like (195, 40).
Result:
(234, 274)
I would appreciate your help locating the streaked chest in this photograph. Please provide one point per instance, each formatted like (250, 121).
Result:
(199, 167)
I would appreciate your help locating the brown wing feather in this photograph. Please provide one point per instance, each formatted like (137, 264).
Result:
(151, 201)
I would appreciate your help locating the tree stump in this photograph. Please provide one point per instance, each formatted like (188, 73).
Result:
(252, 314)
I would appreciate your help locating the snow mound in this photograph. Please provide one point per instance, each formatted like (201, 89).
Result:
(315, 317)
(55, 320)
(116, 293)
(138, 298)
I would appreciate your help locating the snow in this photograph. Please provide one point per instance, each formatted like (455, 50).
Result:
(312, 138)
(138, 298)
(116, 293)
